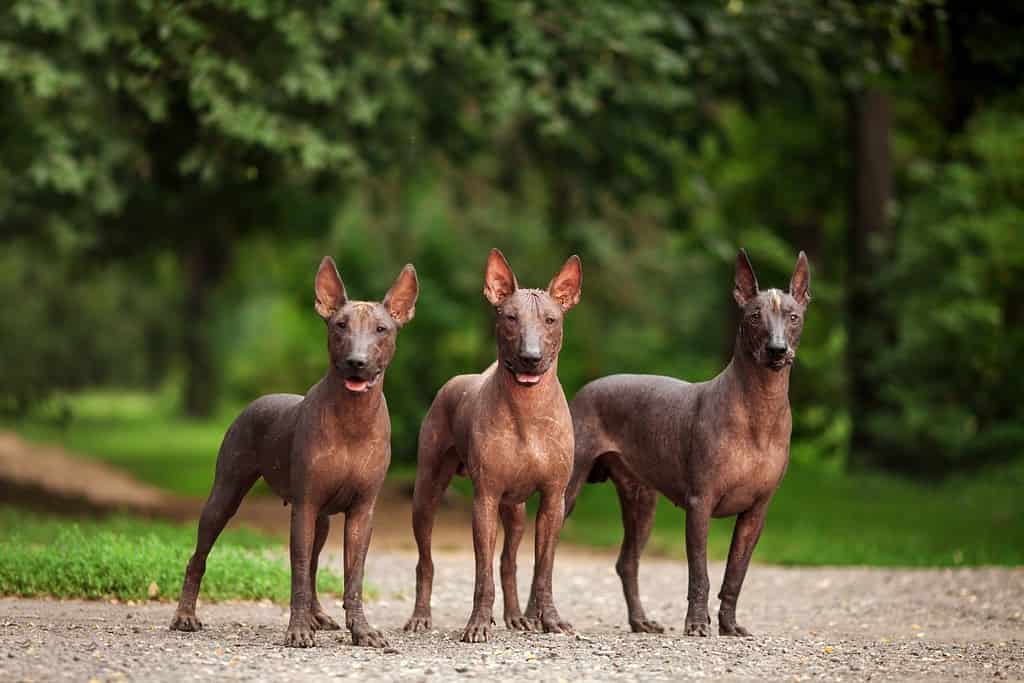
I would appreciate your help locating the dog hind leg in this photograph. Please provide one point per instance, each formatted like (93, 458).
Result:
(233, 479)
(638, 505)
(436, 465)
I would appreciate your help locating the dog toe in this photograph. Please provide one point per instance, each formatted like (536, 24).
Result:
(369, 638)
(559, 627)
(323, 622)
(646, 626)
(476, 634)
(697, 629)
(186, 622)
(520, 623)
(733, 630)
(299, 637)
(417, 624)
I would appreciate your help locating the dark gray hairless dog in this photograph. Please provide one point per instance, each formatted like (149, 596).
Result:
(509, 429)
(716, 448)
(326, 452)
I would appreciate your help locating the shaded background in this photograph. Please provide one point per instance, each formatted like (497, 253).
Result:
(171, 174)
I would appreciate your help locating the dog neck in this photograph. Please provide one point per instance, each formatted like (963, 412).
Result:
(527, 399)
(763, 391)
(354, 411)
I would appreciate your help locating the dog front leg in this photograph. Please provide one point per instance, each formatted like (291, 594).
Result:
(698, 515)
(300, 625)
(550, 516)
(321, 619)
(744, 538)
(513, 519)
(358, 530)
(485, 529)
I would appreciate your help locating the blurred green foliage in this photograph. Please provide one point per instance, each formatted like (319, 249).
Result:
(953, 388)
(177, 170)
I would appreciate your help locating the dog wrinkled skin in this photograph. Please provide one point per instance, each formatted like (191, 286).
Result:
(717, 448)
(510, 431)
(325, 452)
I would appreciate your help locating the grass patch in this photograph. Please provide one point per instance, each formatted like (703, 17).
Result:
(119, 557)
(830, 518)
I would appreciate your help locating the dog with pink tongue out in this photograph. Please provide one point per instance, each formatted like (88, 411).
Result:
(509, 430)
(325, 452)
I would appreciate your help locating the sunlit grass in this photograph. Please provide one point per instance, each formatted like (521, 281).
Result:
(127, 558)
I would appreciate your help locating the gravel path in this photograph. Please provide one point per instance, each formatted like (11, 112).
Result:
(810, 623)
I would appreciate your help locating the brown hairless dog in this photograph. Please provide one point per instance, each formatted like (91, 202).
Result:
(325, 453)
(510, 430)
(716, 448)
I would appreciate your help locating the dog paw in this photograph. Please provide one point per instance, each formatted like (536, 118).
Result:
(697, 628)
(557, 626)
(367, 636)
(186, 622)
(550, 622)
(477, 631)
(733, 629)
(322, 621)
(520, 623)
(417, 624)
(299, 636)
(645, 626)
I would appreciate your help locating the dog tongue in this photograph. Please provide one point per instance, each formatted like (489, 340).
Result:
(356, 384)
(524, 378)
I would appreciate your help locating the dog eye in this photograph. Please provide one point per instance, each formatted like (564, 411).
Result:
(794, 317)
(511, 318)
(549, 320)
(755, 316)
(341, 324)
(381, 329)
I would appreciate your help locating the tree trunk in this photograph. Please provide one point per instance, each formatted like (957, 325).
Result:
(871, 182)
(204, 261)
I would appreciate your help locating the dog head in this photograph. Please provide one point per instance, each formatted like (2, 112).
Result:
(361, 334)
(773, 319)
(528, 326)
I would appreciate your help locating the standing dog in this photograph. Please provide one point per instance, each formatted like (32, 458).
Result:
(325, 453)
(510, 430)
(716, 448)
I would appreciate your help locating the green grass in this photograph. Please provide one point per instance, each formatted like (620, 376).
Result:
(120, 557)
(828, 518)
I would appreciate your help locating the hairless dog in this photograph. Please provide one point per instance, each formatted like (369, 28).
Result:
(326, 452)
(717, 448)
(510, 430)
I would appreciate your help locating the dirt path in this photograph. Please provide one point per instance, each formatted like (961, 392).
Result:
(830, 623)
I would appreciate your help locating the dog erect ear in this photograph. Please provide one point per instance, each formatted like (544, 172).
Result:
(745, 287)
(499, 280)
(800, 283)
(330, 291)
(401, 298)
(565, 287)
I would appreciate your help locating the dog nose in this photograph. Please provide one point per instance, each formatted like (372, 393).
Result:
(530, 358)
(776, 348)
(357, 362)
